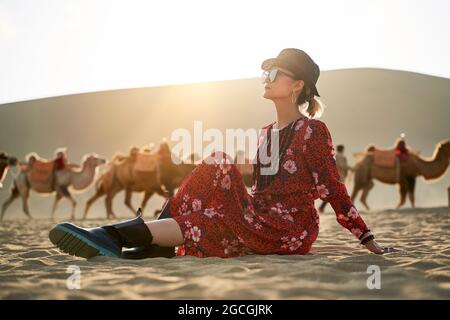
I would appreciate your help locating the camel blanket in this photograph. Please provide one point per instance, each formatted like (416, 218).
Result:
(41, 170)
(384, 158)
(146, 161)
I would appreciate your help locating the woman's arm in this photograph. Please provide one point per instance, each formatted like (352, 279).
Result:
(319, 155)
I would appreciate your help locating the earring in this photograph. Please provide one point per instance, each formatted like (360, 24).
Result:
(293, 97)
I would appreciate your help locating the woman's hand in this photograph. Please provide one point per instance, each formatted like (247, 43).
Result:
(374, 247)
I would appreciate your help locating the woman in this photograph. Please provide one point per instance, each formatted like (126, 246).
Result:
(212, 213)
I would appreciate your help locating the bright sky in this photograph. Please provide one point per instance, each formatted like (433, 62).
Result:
(50, 48)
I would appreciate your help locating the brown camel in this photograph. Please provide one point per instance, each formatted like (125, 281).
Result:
(123, 173)
(403, 174)
(77, 178)
(5, 162)
(448, 194)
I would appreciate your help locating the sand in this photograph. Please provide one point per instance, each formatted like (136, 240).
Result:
(30, 268)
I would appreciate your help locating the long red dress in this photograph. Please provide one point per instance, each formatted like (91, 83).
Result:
(219, 218)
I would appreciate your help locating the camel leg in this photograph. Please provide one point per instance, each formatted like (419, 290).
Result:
(355, 192)
(411, 188)
(25, 208)
(13, 196)
(65, 193)
(365, 193)
(403, 191)
(91, 200)
(411, 198)
(109, 200)
(55, 204)
(147, 196)
(322, 206)
(128, 204)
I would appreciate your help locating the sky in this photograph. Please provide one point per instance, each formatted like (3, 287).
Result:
(50, 48)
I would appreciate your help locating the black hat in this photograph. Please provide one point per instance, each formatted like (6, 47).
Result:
(299, 63)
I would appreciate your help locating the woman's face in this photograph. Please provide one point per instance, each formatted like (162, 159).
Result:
(283, 86)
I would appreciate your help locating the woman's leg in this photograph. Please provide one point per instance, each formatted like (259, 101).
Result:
(155, 249)
(166, 232)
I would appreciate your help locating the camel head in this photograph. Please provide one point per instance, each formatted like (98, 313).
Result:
(93, 160)
(10, 161)
(444, 148)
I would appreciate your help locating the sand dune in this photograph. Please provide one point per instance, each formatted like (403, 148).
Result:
(378, 106)
(30, 268)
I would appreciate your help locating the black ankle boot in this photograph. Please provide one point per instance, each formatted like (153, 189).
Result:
(153, 250)
(107, 241)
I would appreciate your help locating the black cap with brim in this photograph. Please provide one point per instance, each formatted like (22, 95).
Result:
(299, 63)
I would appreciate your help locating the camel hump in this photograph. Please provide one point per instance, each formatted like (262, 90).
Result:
(360, 154)
(146, 161)
(118, 156)
(118, 159)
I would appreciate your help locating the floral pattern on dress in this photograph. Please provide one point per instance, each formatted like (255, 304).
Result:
(290, 166)
(293, 243)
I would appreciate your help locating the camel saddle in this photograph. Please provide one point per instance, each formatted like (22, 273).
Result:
(384, 158)
(41, 170)
(146, 161)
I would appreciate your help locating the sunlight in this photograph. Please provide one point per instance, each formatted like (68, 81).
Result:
(85, 46)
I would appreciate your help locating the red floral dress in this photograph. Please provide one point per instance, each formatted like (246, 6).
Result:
(219, 218)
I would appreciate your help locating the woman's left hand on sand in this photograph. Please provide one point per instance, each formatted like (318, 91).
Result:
(374, 247)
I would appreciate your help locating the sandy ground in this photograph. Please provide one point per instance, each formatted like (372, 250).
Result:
(30, 268)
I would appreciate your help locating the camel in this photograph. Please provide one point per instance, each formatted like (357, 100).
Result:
(448, 194)
(403, 175)
(77, 178)
(121, 174)
(5, 162)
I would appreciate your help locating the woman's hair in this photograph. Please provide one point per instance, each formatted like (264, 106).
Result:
(310, 105)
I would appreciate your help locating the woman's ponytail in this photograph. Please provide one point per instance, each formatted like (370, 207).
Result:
(310, 105)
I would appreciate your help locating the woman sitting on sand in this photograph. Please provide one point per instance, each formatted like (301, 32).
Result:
(213, 215)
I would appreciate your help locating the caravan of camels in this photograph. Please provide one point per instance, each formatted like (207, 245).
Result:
(142, 170)
(151, 171)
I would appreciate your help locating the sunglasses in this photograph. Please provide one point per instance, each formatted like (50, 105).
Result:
(271, 75)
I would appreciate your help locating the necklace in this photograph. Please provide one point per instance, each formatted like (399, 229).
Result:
(276, 123)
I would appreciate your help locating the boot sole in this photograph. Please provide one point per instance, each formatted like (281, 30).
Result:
(76, 244)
